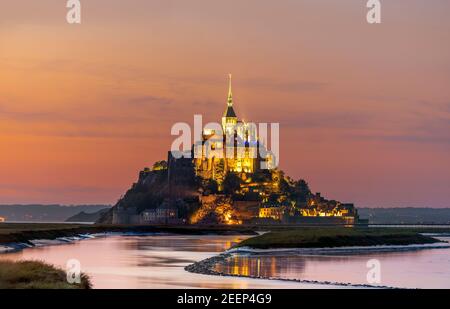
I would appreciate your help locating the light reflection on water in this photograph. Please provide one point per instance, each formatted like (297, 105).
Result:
(159, 261)
(410, 269)
(147, 261)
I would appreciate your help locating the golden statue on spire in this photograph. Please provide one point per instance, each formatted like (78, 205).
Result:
(230, 93)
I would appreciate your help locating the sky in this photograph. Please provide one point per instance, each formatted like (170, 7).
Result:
(364, 110)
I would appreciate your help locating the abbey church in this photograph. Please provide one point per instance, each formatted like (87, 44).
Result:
(235, 149)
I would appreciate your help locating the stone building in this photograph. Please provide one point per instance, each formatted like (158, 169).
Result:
(276, 213)
(232, 147)
(166, 213)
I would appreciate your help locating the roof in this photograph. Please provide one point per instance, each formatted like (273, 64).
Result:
(229, 112)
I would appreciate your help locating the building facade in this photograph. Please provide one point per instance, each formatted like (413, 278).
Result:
(232, 147)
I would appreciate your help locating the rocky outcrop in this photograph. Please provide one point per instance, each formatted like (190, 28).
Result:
(175, 183)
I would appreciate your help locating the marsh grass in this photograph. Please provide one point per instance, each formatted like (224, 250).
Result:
(36, 275)
(336, 237)
(24, 232)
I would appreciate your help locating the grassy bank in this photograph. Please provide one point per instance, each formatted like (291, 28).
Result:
(24, 232)
(336, 237)
(36, 275)
(289, 236)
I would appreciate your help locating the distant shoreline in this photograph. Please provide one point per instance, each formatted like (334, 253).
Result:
(18, 236)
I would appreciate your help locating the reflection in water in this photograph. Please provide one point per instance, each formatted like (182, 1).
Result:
(409, 269)
(147, 261)
(262, 266)
(184, 243)
(159, 261)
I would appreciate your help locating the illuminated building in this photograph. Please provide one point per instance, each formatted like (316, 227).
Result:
(273, 212)
(233, 148)
(225, 183)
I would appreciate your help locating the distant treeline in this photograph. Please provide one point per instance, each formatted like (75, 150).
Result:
(406, 215)
(45, 213)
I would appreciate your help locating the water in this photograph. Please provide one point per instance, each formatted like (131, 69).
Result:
(429, 268)
(428, 226)
(147, 261)
(159, 261)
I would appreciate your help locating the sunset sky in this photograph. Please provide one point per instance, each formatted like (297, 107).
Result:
(364, 110)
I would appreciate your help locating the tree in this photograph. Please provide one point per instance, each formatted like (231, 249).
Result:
(210, 186)
(231, 183)
(302, 187)
(301, 191)
(273, 198)
(160, 165)
(262, 176)
(219, 171)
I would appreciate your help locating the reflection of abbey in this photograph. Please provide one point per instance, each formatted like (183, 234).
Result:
(233, 148)
(231, 179)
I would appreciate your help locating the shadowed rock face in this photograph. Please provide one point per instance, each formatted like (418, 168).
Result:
(172, 191)
(176, 183)
(179, 186)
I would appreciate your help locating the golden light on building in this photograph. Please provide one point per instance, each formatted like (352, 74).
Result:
(278, 195)
(216, 162)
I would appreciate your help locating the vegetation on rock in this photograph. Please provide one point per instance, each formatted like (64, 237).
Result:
(336, 237)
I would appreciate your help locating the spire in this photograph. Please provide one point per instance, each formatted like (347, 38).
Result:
(229, 112)
(230, 93)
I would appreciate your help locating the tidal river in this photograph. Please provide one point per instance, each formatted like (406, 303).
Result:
(158, 262)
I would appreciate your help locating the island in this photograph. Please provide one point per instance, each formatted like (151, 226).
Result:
(208, 186)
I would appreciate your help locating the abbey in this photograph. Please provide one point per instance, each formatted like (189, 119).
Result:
(234, 148)
(227, 177)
